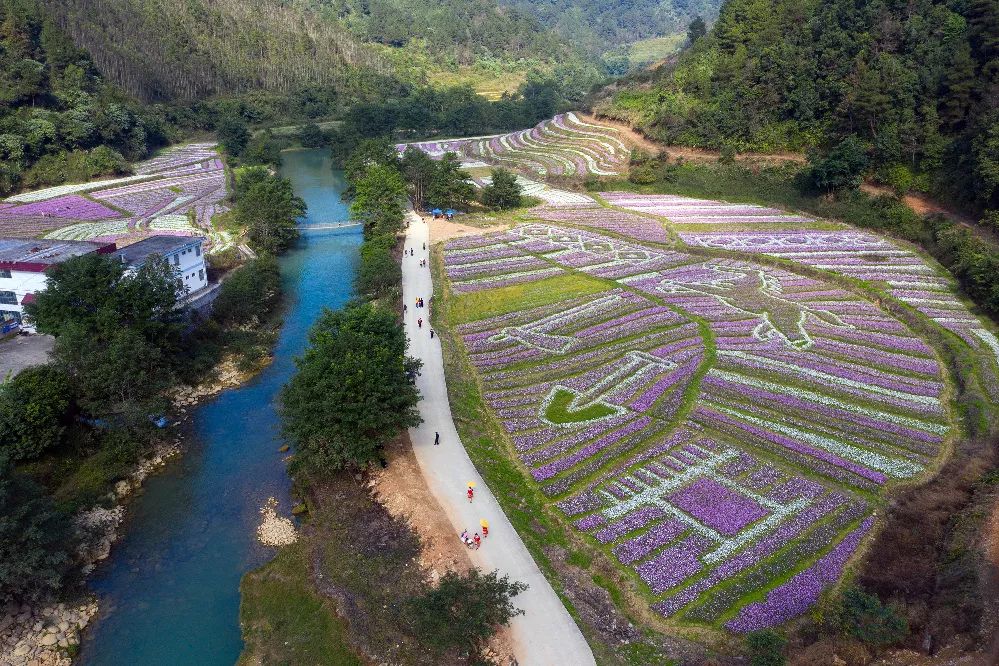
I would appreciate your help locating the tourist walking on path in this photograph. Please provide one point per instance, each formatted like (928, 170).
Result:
(484, 524)
(546, 634)
(419, 322)
(470, 493)
(437, 438)
(477, 540)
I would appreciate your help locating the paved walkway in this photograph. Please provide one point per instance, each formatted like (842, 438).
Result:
(546, 634)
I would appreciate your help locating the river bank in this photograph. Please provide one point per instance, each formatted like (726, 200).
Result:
(169, 592)
(48, 633)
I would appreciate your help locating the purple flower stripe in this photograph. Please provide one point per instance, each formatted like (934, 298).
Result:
(798, 594)
(70, 207)
(551, 469)
(635, 520)
(792, 445)
(717, 506)
(661, 534)
(674, 565)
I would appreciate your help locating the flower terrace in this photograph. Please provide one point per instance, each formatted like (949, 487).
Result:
(176, 192)
(723, 429)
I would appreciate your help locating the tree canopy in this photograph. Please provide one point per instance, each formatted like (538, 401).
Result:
(268, 207)
(117, 331)
(463, 611)
(354, 390)
(503, 192)
(34, 410)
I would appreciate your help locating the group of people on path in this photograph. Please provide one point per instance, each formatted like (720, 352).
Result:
(474, 540)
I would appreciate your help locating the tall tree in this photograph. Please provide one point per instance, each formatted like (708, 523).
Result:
(379, 200)
(503, 192)
(269, 209)
(450, 185)
(353, 391)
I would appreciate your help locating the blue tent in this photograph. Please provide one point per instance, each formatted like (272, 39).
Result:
(436, 211)
(450, 212)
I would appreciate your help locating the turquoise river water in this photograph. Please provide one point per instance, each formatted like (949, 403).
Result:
(169, 592)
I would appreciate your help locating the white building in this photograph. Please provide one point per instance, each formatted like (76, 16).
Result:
(184, 253)
(23, 262)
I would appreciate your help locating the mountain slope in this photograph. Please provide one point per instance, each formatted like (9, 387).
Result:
(162, 49)
(599, 25)
(59, 120)
(915, 81)
(169, 50)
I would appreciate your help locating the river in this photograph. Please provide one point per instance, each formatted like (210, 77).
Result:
(169, 592)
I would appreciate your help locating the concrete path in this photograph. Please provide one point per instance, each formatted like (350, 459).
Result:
(23, 351)
(546, 634)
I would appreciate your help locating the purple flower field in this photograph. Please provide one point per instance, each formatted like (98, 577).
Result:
(704, 415)
(185, 179)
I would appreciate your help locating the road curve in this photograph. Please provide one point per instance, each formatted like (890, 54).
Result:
(546, 634)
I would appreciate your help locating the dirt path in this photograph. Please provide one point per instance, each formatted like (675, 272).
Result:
(687, 153)
(402, 490)
(546, 634)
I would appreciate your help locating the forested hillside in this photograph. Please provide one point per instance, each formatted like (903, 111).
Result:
(460, 29)
(598, 25)
(167, 50)
(912, 84)
(58, 119)
(161, 49)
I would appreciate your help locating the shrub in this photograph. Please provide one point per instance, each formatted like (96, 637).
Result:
(766, 648)
(864, 617)
(842, 167)
(251, 291)
(34, 538)
(34, 408)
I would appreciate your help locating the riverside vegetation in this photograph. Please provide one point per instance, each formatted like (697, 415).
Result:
(666, 509)
(353, 393)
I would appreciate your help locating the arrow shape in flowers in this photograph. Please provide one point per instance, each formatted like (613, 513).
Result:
(565, 405)
(537, 333)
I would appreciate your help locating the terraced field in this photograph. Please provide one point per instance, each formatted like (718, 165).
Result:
(726, 430)
(176, 192)
(562, 146)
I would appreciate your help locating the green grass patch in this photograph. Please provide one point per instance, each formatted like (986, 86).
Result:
(558, 409)
(285, 622)
(503, 300)
(647, 51)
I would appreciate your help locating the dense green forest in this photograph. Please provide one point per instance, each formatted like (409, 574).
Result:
(599, 25)
(59, 120)
(464, 30)
(913, 84)
(164, 50)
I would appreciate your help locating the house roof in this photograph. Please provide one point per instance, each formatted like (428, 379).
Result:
(137, 253)
(36, 255)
